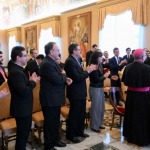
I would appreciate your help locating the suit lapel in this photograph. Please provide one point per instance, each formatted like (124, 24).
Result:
(58, 69)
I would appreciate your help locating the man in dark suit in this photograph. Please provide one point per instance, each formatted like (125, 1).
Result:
(88, 54)
(52, 95)
(106, 60)
(3, 76)
(33, 53)
(34, 65)
(147, 59)
(147, 56)
(131, 60)
(76, 93)
(128, 56)
(21, 95)
(116, 64)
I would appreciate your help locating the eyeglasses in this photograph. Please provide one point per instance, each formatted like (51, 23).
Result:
(24, 55)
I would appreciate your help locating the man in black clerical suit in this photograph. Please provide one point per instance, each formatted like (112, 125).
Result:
(76, 93)
(136, 77)
(3, 76)
(33, 53)
(128, 56)
(34, 65)
(116, 64)
(88, 54)
(21, 95)
(52, 95)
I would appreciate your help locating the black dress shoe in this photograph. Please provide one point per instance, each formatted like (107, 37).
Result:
(102, 127)
(74, 140)
(119, 104)
(84, 135)
(60, 144)
(98, 131)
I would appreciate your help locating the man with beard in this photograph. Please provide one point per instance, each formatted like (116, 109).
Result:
(3, 76)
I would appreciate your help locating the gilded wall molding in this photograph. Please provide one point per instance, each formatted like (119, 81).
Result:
(48, 19)
(105, 3)
(14, 31)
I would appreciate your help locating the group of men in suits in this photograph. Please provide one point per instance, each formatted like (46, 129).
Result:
(114, 64)
(52, 91)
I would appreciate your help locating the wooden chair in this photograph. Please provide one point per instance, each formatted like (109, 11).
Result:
(0, 139)
(37, 115)
(107, 86)
(117, 110)
(8, 124)
(124, 90)
(65, 112)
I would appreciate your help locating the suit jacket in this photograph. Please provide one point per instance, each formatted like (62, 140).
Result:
(9, 64)
(32, 67)
(147, 61)
(107, 65)
(52, 83)
(128, 59)
(88, 54)
(21, 92)
(30, 60)
(77, 90)
(114, 68)
(1, 77)
(125, 57)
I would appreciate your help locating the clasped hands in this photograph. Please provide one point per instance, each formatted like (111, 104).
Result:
(68, 80)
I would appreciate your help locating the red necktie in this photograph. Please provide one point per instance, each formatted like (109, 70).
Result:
(2, 72)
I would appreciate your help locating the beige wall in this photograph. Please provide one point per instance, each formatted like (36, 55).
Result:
(64, 31)
(64, 27)
(4, 46)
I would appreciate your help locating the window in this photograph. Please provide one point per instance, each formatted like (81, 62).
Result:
(11, 44)
(45, 37)
(120, 31)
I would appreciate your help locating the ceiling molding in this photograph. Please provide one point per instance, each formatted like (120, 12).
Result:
(105, 3)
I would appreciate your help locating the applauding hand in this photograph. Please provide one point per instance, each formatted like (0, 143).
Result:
(69, 81)
(114, 77)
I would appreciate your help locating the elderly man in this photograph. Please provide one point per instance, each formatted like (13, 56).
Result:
(136, 76)
(52, 95)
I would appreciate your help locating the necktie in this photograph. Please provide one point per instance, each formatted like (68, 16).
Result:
(79, 63)
(118, 60)
(2, 72)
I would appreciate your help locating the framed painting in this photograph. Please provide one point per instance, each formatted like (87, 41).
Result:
(30, 38)
(79, 27)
